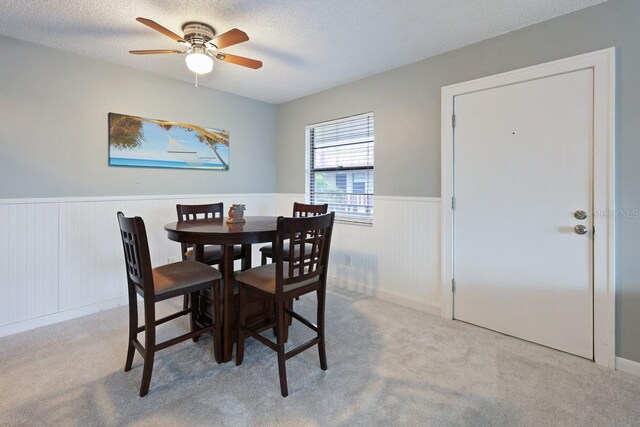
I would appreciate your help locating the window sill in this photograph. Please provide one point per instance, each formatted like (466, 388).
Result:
(348, 221)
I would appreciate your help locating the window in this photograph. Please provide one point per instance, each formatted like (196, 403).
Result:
(359, 183)
(341, 181)
(340, 166)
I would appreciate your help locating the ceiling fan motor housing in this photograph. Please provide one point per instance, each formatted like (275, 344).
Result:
(197, 33)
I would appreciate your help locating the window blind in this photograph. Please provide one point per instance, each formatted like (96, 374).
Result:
(340, 166)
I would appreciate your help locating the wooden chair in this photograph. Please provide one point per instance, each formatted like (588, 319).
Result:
(299, 210)
(212, 253)
(158, 284)
(306, 271)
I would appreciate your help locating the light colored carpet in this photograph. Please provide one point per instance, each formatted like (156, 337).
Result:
(388, 365)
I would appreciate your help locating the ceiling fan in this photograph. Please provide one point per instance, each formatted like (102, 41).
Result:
(201, 45)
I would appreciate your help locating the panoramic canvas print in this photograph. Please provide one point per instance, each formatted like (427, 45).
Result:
(136, 141)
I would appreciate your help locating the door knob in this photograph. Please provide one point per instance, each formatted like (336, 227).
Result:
(580, 229)
(580, 214)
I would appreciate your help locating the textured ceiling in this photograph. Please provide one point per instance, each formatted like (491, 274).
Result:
(306, 45)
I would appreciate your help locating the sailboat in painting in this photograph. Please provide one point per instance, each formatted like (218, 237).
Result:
(190, 157)
(137, 141)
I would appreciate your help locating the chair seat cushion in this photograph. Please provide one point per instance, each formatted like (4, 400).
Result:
(268, 250)
(264, 278)
(212, 253)
(175, 278)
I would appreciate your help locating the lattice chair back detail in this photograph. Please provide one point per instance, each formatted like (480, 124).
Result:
(300, 210)
(304, 251)
(136, 251)
(191, 212)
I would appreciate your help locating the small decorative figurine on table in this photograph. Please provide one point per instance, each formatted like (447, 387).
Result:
(236, 213)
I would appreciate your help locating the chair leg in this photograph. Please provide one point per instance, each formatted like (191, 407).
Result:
(288, 320)
(241, 321)
(246, 257)
(149, 347)
(215, 312)
(320, 320)
(280, 324)
(185, 303)
(133, 330)
(290, 317)
(264, 259)
(193, 315)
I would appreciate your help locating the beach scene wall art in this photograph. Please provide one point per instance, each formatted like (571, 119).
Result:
(140, 142)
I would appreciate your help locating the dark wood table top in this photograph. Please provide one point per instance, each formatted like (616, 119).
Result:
(216, 231)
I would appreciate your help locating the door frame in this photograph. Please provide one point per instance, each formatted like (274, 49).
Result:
(603, 64)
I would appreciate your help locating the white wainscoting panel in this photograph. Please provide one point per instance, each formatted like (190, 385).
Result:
(62, 257)
(28, 261)
(91, 260)
(396, 259)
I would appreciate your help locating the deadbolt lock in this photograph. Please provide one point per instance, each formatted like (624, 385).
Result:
(580, 214)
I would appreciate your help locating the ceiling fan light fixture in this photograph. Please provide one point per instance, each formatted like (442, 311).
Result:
(198, 61)
(202, 46)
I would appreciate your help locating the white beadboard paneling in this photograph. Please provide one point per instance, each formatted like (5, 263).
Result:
(62, 257)
(60, 316)
(397, 258)
(91, 265)
(69, 250)
(92, 268)
(29, 261)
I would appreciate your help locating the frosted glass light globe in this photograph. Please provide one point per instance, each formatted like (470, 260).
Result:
(199, 63)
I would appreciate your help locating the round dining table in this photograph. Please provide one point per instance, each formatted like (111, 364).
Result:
(216, 231)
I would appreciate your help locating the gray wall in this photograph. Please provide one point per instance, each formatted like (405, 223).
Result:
(406, 103)
(53, 128)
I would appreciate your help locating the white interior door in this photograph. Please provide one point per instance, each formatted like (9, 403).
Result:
(523, 156)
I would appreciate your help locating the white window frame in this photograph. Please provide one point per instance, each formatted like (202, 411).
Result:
(339, 218)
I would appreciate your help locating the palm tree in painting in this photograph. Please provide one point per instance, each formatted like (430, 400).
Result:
(126, 132)
(212, 138)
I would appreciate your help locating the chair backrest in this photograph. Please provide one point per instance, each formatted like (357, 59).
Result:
(304, 210)
(137, 260)
(189, 212)
(309, 243)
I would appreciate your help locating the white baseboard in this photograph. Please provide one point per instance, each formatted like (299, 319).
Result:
(628, 366)
(393, 297)
(49, 319)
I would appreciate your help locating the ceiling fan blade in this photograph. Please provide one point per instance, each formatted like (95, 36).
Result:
(230, 38)
(153, 52)
(239, 60)
(151, 24)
